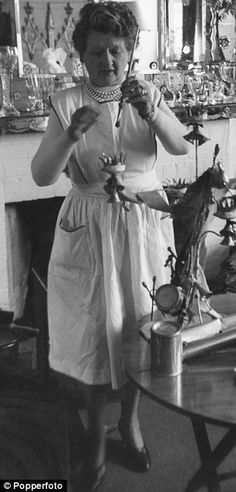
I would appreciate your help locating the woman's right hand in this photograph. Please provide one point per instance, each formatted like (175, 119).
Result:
(82, 119)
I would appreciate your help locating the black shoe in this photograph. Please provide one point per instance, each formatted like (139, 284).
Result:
(140, 458)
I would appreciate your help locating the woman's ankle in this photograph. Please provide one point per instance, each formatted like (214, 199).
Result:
(96, 447)
(130, 432)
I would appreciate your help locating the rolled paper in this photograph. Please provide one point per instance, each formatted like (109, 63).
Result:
(226, 336)
(228, 322)
(198, 347)
(205, 330)
(198, 332)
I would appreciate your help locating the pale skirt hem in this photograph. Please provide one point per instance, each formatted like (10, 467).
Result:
(64, 367)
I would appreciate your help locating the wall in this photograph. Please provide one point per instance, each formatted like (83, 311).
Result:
(47, 25)
(50, 24)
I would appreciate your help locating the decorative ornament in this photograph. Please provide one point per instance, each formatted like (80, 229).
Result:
(113, 165)
(226, 209)
(197, 138)
(188, 294)
(31, 36)
(50, 28)
(64, 38)
(223, 42)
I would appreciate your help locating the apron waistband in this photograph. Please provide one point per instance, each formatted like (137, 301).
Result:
(136, 183)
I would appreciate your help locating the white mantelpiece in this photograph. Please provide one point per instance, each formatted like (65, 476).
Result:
(16, 183)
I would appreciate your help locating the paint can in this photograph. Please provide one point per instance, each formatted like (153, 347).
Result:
(166, 348)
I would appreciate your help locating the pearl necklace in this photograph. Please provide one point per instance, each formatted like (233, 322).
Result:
(103, 96)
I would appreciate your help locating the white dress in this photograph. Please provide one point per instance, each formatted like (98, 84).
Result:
(103, 251)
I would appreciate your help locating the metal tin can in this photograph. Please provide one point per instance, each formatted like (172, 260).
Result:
(166, 349)
(169, 299)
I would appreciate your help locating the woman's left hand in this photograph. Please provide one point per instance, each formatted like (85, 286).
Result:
(138, 93)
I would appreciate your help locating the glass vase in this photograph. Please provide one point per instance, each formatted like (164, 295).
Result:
(8, 60)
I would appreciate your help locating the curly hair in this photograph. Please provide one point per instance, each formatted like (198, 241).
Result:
(106, 17)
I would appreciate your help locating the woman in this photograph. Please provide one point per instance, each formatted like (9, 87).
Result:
(103, 251)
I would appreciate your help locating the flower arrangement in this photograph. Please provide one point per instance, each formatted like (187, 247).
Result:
(54, 60)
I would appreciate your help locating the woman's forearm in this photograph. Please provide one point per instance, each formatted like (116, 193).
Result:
(57, 145)
(170, 132)
(51, 159)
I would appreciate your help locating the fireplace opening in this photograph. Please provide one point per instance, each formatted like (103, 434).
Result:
(30, 229)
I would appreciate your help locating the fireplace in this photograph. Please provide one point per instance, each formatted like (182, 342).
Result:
(30, 229)
(27, 219)
(29, 233)
(20, 199)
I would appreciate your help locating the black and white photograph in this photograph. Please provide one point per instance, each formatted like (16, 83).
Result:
(118, 245)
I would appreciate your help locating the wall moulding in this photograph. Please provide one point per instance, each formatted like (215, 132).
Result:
(51, 24)
(48, 25)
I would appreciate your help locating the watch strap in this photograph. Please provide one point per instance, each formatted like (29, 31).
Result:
(148, 116)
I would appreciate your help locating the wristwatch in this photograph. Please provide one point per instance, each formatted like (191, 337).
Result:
(149, 115)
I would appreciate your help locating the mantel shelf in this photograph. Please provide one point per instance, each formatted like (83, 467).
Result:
(206, 112)
(25, 122)
(27, 114)
(29, 121)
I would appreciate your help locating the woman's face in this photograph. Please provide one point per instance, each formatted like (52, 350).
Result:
(105, 58)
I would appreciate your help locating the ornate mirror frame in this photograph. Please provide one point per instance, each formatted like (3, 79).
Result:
(206, 27)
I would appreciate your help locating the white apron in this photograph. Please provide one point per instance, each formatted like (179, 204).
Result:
(102, 252)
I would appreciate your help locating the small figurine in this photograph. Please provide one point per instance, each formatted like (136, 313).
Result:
(114, 166)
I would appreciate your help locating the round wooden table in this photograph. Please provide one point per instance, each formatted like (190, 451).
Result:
(205, 392)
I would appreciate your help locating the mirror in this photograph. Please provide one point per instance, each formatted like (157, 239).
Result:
(10, 29)
(198, 31)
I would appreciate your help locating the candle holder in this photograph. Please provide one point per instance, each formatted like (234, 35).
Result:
(226, 210)
(115, 166)
(197, 138)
